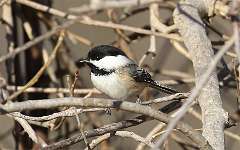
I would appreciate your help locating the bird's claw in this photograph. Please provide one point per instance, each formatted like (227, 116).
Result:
(108, 111)
(139, 101)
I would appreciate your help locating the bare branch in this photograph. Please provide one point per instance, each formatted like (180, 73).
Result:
(102, 4)
(66, 113)
(103, 103)
(177, 96)
(156, 129)
(206, 82)
(36, 40)
(41, 70)
(52, 90)
(27, 128)
(124, 134)
(88, 21)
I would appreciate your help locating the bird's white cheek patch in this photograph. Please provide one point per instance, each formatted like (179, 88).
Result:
(111, 62)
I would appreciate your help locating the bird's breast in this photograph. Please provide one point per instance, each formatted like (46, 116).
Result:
(117, 86)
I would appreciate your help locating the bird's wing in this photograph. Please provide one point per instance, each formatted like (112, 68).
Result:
(141, 75)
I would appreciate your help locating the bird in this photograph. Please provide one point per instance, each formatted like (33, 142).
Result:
(118, 76)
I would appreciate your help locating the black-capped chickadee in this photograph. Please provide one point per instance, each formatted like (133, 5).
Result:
(116, 75)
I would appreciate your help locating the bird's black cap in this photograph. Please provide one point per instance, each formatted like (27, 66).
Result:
(101, 51)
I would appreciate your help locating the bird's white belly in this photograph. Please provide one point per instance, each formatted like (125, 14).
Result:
(111, 85)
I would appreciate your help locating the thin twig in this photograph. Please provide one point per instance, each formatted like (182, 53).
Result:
(180, 49)
(80, 127)
(154, 13)
(52, 90)
(177, 96)
(98, 5)
(98, 141)
(156, 129)
(124, 134)
(27, 128)
(175, 73)
(182, 141)
(88, 21)
(65, 113)
(234, 13)
(85, 20)
(177, 81)
(40, 38)
(46, 9)
(74, 37)
(41, 70)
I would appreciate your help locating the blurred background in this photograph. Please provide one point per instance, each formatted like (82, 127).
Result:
(169, 65)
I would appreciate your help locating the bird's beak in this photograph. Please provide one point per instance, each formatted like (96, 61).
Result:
(84, 61)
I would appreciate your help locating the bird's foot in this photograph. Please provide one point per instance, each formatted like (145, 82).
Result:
(108, 111)
(139, 101)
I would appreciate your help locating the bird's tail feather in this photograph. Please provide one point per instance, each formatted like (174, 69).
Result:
(163, 88)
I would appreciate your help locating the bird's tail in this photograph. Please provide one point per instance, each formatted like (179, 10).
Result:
(163, 88)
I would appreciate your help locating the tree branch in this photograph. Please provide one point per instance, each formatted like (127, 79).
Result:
(124, 134)
(187, 18)
(103, 103)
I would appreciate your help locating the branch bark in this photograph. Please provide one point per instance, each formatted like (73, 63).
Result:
(104, 103)
(123, 134)
(187, 17)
